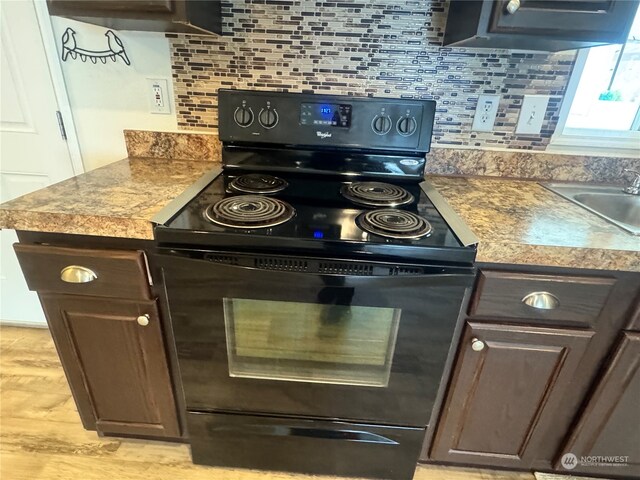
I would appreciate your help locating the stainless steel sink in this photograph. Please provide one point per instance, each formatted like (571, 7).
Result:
(611, 203)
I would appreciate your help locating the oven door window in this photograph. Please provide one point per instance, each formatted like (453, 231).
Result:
(307, 342)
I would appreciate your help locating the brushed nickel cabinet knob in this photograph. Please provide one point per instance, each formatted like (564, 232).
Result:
(513, 6)
(143, 320)
(477, 345)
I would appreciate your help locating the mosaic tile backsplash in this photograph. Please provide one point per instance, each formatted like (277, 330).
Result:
(382, 49)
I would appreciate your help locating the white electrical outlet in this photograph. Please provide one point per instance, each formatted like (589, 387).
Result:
(486, 111)
(158, 91)
(532, 114)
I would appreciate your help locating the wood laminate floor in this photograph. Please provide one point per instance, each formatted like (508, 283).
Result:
(41, 437)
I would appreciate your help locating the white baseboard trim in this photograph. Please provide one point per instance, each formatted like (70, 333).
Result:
(18, 323)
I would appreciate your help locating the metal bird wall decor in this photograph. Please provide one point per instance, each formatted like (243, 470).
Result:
(71, 49)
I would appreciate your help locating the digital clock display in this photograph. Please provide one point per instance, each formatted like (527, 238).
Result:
(333, 115)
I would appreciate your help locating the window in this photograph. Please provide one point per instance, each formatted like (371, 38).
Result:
(308, 342)
(602, 107)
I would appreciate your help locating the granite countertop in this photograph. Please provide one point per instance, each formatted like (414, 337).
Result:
(117, 200)
(516, 221)
(521, 222)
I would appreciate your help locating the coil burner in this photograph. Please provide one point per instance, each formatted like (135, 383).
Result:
(376, 194)
(249, 211)
(393, 223)
(258, 183)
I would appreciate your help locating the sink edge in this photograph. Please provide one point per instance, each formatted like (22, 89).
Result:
(552, 187)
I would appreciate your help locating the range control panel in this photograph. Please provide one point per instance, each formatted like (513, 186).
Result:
(325, 120)
(325, 114)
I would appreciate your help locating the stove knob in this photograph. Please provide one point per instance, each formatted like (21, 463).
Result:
(407, 126)
(381, 124)
(243, 116)
(268, 117)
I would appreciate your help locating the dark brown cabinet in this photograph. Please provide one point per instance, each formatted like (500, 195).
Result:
(549, 25)
(114, 358)
(542, 368)
(609, 426)
(188, 16)
(577, 300)
(116, 273)
(117, 6)
(506, 388)
(105, 323)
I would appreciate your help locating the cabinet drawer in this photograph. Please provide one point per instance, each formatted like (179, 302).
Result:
(103, 273)
(576, 300)
(302, 445)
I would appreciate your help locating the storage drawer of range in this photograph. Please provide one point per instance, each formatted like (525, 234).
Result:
(103, 273)
(573, 300)
(300, 445)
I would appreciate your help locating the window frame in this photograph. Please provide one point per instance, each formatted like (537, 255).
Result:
(585, 140)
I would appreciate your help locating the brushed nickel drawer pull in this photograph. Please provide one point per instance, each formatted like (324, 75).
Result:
(541, 300)
(143, 320)
(477, 345)
(77, 274)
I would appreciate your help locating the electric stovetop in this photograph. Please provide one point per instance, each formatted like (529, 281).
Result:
(318, 215)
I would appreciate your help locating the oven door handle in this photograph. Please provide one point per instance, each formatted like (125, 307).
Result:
(441, 276)
(347, 435)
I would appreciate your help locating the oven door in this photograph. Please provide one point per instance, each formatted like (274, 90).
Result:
(263, 335)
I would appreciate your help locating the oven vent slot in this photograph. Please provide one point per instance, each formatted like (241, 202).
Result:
(405, 271)
(267, 263)
(226, 259)
(345, 269)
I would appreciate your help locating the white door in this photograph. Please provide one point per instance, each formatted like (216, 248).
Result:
(33, 153)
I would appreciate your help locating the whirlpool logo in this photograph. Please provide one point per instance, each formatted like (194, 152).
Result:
(324, 134)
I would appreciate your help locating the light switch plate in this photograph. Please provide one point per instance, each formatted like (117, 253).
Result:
(532, 114)
(158, 93)
(486, 111)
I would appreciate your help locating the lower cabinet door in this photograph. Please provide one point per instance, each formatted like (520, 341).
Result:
(606, 439)
(114, 357)
(507, 384)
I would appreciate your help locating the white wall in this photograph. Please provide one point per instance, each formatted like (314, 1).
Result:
(106, 99)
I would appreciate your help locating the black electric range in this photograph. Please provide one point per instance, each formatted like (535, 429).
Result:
(314, 282)
(318, 146)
